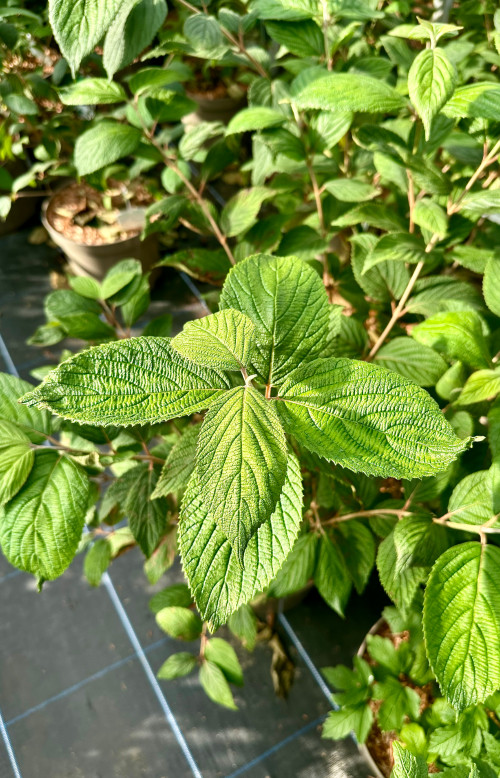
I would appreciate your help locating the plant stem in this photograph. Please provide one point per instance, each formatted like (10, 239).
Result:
(399, 512)
(488, 159)
(325, 25)
(327, 280)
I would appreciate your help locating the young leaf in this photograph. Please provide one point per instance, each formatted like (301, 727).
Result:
(205, 36)
(86, 287)
(349, 190)
(462, 622)
(458, 335)
(241, 211)
(367, 419)
(491, 285)
(412, 360)
(357, 545)
(398, 701)
(406, 765)
(241, 463)
(430, 216)
(177, 666)
(305, 38)
(177, 594)
(104, 144)
(97, 560)
(180, 623)
(92, 91)
(215, 685)
(341, 92)
(471, 501)
(353, 718)
(256, 118)
(16, 460)
(179, 464)
(133, 28)
(396, 246)
(221, 653)
(481, 385)
(223, 340)
(243, 624)
(41, 527)
(287, 302)
(218, 582)
(431, 82)
(135, 381)
(79, 28)
(331, 576)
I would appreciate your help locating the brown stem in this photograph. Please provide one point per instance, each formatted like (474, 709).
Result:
(399, 512)
(488, 159)
(327, 280)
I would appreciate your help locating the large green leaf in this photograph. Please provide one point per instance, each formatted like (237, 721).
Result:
(104, 144)
(412, 360)
(222, 340)
(481, 385)
(344, 92)
(35, 423)
(135, 381)
(462, 622)
(479, 100)
(41, 527)
(133, 28)
(367, 419)
(431, 82)
(471, 501)
(16, 460)
(456, 334)
(220, 585)
(241, 463)
(79, 27)
(287, 302)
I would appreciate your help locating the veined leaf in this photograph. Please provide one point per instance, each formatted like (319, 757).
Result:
(215, 685)
(367, 419)
(471, 501)
(241, 463)
(286, 300)
(458, 335)
(221, 653)
(177, 666)
(400, 585)
(104, 144)
(241, 211)
(397, 246)
(218, 582)
(35, 423)
(222, 340)
(491, 285)
(92, 91)
(41, 527)
(406, 765)
(179, 465)
(133, 28)
(256, 118)
(147, 517)
(298, 568)
(344, 92)
(431, 82)
(418, 542)
(135, 381)
(179, 622)
(352, 718)
(481, 385)
(16, 460)
(462, 622)
(413, 360)
(349, 190)
(331, 575)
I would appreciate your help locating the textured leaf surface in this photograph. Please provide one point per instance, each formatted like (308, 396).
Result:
(287, 302)
(35, 423)
(471, 501)
(481, 385)
(40, 528)
(179, 464)
(341, 92)
(331, 576)
(221, 653)
(16, 460)
(298, 568)
(147, 518)
(79, 27)
(222, 340)
(135, 381)
(367, 419)
(104, 144)
(92, 91)
(255, 118)
(241, 463)
(406, 765)
(133, 28)
(400, 586)
(242, 209)
(458, 335)
(491, 285)
(412, 360)
(352, 718)
(418, 542)
(462, 622)
(431, 82)
(218, 582)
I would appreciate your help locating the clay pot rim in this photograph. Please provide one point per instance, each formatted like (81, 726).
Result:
(49, 227)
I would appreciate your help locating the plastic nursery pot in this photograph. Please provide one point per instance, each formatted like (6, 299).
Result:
(265, 606)
(96, 260)
(213, 109)
(375, 771)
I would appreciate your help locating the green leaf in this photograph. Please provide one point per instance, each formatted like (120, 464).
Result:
(304, 38)
(135, 381)
(177, 666)
(180, 623)
(205, 36)
(457, 335)
(431, 83)
(179, 464)
(491, 285)
(97, 561)
(412, 360)
(349, 190)
(36, 424)
(92, 91)
(398, 701)
(222, 340)
(218, 582)
(255, 118)
(358, 549)
(286, 10)
(79, 28)
(479, 100)
(298, 568)
(471, 501)
(483, 202)
(331, 575)
(344, 92)
(387, 281)
(119, 277)
(397, 246)
(406, 765)
(204, 264)
(430, 216)
(481, 385)
(41, 527)
(241, 211)
(418, 542)
(221, 653)
(286, 300)
(462, 622)
(133, 29)
(215, 685)
(147, 517)
(86, 286)
(243, 624)
(241, 463)
(177, 594)
(367, 419)
(16, 460)
(340, 723)
(104, 144)
(400, 586)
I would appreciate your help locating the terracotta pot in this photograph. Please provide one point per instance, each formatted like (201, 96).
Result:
(375, 772)
(95, 261)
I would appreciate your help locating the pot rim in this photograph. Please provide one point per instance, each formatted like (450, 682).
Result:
(363, 749)
(50, 228)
